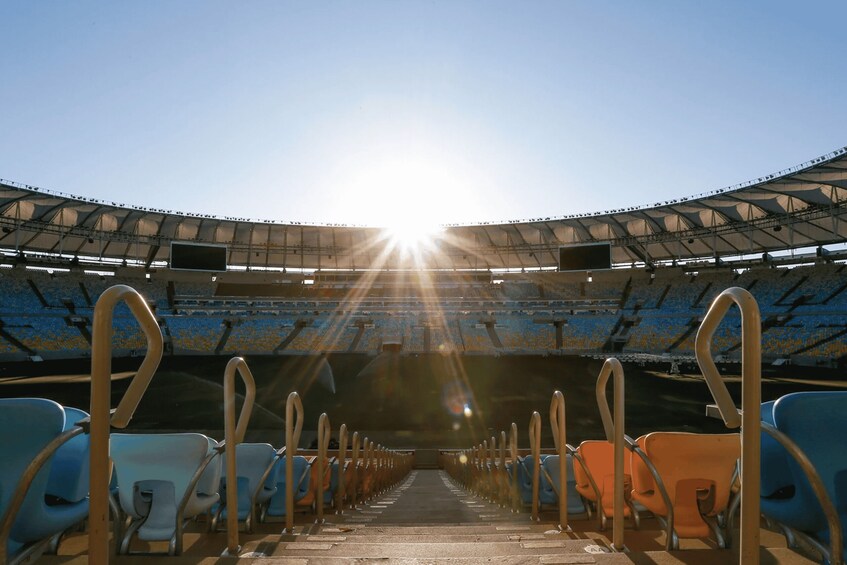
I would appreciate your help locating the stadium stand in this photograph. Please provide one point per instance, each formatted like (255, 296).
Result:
(652, 311)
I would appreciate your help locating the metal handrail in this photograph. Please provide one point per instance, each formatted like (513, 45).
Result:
(671, 541)
(492, 469)
(28, 475)
(342, 459)
(614, 429)
(751, 400)
(513, 449)
(324, 433)
(354, 461)
(535, 450)
(292, 439)
(233, 435)
(836, 542)
(175, 545)
(503, 476)
(599, 497)
(101, 402)
(557, 423)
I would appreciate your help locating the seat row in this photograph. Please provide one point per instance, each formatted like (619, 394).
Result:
(160, 481)
(693, 475)
(688, 481)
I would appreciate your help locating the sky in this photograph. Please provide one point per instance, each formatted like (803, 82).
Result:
(410, 112)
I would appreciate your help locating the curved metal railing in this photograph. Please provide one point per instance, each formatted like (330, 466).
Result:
(614, 429)
(342, 459)
(233, 435)
(354, 461)
(292, 439)
(101, 392)
(503, 476)
(535, 450)
(513, 452)
(324, 434)
(557, 423)
(751, 400)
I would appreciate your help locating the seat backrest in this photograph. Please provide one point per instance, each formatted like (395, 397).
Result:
(816, 422)
(525, 466)
(27, 425)
(69, 471)
(551, 465)
(682, 456)
(210, 480)
(253, 459)
(775, 473)
(599, 457)
(156, 457)
(302, 480)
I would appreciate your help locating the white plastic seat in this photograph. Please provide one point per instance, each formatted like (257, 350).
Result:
(154, 475)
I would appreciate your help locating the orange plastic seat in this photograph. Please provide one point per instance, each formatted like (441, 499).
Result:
(697, 472)
(599, 457)
(310, 498)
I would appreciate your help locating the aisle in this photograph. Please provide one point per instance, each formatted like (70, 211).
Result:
(428, 496)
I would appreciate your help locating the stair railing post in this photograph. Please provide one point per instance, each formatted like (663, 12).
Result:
(292, 439)
(233, 435)
(557, 423)
(342, 457)
(324, 433)
(751, 401)
(614, 429)
(101, 401)
(535, 449)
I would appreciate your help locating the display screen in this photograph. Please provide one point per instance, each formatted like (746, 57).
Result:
(588, 257)
(198, 257)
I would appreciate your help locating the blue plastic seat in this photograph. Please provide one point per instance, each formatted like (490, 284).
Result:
(256, 468)
(525, 466)
(550, 468)
(27, 425)
(776, 477)
(154, 475)
(816, 422)
(302, 480)
(69, 470)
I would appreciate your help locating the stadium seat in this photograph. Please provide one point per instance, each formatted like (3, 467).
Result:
(159, 485)
(815, 422)
(598, 458)
(302, 481)
(256, 468)
(27, 425)
(69, 470)
(550, 479)
(697, 472)
(524, 469)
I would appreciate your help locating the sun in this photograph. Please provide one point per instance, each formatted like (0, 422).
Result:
(409, 198)
(412, 234)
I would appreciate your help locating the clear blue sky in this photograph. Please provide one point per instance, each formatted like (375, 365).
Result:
(369, 112)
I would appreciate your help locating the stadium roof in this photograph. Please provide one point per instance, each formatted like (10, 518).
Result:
(799, 207)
